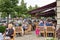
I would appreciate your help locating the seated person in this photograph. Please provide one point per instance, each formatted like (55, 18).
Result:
(41, 23)
(16, 24)
(9, 32)
(24, 26)
(49, 24)
(33, 26)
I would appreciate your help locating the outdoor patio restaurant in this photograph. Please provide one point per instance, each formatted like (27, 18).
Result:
(42, 23)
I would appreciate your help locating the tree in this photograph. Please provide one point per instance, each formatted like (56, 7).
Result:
(23, 7)
(36, 6)
(18, 11)
(30, 8)
(7, 6)
(3, 15)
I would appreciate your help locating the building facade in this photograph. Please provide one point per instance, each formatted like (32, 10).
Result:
(58, 13)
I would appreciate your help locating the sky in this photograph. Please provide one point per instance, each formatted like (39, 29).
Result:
(40, 3)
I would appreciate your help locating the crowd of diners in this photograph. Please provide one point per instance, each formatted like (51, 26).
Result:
(24, 24)
(32, 21)
(41, 22)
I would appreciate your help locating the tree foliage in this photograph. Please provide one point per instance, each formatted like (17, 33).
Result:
(7, 6)
(36, 6)
(11, 7)
(30, 8)
(23, 7)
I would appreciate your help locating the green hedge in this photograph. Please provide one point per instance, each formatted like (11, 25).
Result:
(2, 29)
(50, 39)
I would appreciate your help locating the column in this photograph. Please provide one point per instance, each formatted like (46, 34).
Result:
(58, 13)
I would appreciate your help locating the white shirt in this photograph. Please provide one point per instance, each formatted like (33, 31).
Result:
(1, 36)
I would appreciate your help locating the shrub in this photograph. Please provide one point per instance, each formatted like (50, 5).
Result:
(2, 29)
(50, 39)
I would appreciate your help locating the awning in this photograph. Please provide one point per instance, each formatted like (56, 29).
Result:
(49, 6)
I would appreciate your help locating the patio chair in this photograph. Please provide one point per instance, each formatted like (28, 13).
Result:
(36, 23)
(28, 29)
(42, 30)
(19, 30)
(50, 29)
